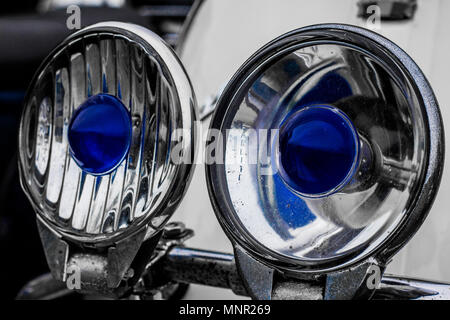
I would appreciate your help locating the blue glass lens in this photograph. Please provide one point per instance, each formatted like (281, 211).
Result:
(318, 150)
(100, 134)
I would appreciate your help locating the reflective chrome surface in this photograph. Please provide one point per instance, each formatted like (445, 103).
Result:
(404, 288)
(136, 66)
(393, 109)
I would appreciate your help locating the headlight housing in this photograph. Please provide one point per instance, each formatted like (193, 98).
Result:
(102, 117)
(332, 150)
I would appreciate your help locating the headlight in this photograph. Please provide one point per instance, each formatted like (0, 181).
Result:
(332, 150)
(102, 117)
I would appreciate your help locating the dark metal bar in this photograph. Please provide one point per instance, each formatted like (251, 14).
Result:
(394, 287)
(203, 267)
(44, 287)
(217, 269)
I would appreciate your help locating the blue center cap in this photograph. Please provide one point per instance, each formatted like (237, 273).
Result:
(100, 134)
(318, 150)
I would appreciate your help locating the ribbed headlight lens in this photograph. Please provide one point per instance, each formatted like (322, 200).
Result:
(345, 135)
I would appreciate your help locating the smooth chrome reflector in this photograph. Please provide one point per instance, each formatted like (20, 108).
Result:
(101, 118)
(349, 146)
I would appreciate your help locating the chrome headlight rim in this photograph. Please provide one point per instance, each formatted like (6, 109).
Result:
(171, 67)
(425, 191)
